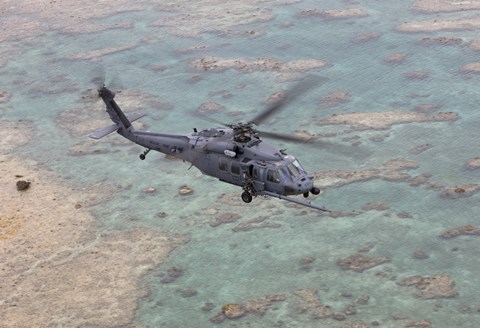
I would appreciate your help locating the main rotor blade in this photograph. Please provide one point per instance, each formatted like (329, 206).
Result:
(290, 95)
(283, 137)
(206, 118)
(357, 152)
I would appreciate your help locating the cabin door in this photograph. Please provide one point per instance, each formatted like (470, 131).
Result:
(258, 177)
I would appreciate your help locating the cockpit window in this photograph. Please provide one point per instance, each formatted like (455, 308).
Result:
(293, 170)
(272, 176)
(298, 166)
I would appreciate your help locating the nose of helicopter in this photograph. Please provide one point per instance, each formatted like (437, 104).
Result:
(301, 185)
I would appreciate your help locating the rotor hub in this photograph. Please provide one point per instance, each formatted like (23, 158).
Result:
(243, 132)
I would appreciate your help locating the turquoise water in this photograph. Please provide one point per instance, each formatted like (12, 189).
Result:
(224, 266)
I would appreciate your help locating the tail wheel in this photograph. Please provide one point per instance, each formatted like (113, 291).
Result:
(246, 197)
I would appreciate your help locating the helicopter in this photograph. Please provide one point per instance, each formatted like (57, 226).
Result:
(233, 153)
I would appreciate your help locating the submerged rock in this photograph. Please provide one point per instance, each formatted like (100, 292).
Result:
(261, 304)
(149, 190)
(461, 191)
(420, 255)
(310, 302)
(474, 163)
(23, 185)
(225, 218)
(355, 324)
(257, 306)
(395, 58)
(185, 190)
(419, 324)
(358, 262)
(233, 311)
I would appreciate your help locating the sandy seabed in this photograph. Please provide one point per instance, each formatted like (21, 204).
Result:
(57, 269)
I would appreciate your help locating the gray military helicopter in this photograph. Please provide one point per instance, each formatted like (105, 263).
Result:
(234, 153)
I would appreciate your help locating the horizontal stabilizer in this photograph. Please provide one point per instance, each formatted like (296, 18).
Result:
(114, 127)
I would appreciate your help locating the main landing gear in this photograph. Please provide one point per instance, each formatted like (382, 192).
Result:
(248, 191)
(246, 197)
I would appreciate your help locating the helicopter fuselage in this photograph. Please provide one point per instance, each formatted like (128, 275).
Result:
(234, 154)
(215, 153)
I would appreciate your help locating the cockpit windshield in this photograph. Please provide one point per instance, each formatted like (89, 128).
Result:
(294, 168)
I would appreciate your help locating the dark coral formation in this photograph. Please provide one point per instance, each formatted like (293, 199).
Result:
(441, 40)
(233, 311)
(225, 218)
(426, 107)
(171, 275)
(430, 287)
(464, 230)
(420, 148)
(461, 191)
(420, 255)
(355, 324)
(256, 306)
(395, 58)
(211, 107)
(392, 170)
(366, 37)
(416, 75)
(419, 324)
(334, 99)
(358, 262)
(310, 303)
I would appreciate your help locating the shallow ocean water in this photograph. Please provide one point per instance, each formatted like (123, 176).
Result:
(224, 266)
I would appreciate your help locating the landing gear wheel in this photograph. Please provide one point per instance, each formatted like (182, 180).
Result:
(305, 194)
(315, 191)
(246, 197)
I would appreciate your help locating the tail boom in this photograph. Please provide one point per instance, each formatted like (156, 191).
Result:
(114, 127)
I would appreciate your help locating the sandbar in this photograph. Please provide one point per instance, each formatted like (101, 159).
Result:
(25, 18)
(58, 269)
(192, 18)
(334, 13)
(474, 163)
(383, 120)
(471, 68)
(436, 25)
(438, 6)
(218, 64)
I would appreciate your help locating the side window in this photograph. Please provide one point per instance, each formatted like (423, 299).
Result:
(235, 168)
(272, 176)
(223, 164)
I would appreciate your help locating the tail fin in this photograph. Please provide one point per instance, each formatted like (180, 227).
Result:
(120, 121)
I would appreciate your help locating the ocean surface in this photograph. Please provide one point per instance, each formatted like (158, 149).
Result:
(293, 248)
